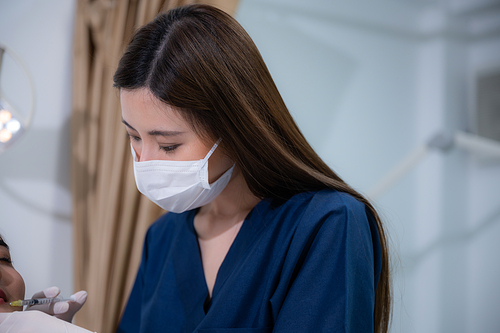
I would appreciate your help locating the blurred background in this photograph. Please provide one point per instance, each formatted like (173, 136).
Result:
(367, 82)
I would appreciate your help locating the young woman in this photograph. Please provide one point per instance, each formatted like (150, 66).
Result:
(261, 234)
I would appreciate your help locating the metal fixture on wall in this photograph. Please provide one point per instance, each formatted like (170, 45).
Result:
(483, 148)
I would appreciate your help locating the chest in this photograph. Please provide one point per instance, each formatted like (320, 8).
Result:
(213, 251)
(239, 275)
(239, 279)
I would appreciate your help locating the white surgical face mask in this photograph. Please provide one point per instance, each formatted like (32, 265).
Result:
(178, 186)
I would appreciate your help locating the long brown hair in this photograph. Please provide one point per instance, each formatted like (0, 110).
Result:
(199, 60)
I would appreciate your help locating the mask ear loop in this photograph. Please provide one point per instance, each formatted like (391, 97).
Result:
(213, 149)
(204, 166)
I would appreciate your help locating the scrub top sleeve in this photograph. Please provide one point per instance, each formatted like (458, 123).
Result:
(131, 317)
(332, 288)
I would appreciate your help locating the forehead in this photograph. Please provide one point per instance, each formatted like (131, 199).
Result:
(144, 112)
(140, 106)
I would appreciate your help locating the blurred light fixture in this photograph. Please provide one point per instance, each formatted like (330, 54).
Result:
(12, 123)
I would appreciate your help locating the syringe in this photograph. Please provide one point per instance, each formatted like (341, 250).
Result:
(35, 301)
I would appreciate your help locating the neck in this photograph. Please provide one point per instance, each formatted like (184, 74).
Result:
(230, 207)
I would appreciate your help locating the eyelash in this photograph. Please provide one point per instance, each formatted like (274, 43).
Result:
(6, 259)
(133, 137)
(168, 149)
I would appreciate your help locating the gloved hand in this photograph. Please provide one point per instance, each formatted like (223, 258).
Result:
(62, 310)
(35, 321)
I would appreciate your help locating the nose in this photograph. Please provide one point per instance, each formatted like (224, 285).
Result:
(145, 152)
(136, 155)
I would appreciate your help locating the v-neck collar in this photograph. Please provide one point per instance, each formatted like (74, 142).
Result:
(251, 228)
(189, 265)
(189, 275)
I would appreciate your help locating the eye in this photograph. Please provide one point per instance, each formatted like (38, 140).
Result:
(6, 259)
(133, 137)
(169, 149)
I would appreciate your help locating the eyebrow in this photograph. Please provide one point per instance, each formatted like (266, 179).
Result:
(155, 132)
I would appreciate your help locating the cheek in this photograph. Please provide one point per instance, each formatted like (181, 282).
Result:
(12, 284)
(217, 165)
(18, 285)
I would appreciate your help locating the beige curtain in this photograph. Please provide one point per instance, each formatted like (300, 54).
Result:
(110, 215)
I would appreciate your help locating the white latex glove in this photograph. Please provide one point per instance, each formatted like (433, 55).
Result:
(35, 322)
(62, 310)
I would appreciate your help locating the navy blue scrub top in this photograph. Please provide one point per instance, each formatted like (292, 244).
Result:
(309, 264)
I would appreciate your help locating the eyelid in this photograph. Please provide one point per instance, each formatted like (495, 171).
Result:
(133, 137)
(169, 148)
(6, 259)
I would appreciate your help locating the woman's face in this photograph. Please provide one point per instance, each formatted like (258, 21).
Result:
(11, 282)
(158, 132)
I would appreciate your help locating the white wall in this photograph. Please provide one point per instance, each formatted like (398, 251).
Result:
(370, 81)
(482, 230)
(35, 202)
